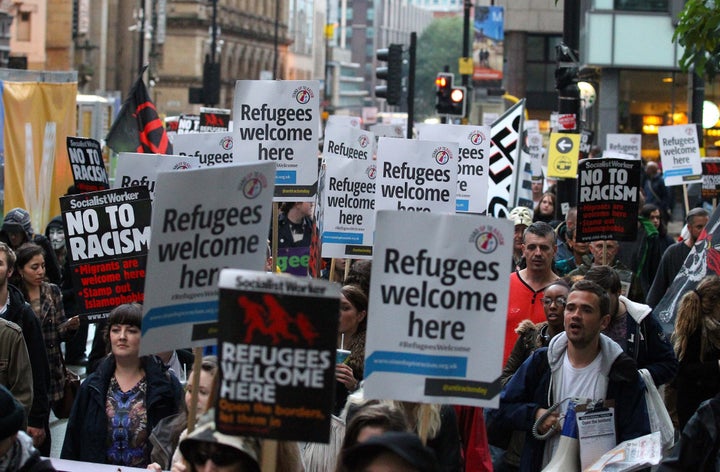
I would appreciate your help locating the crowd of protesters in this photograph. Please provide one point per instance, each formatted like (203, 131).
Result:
(580, 324)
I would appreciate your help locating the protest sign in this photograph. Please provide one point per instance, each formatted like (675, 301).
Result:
(277, 343)
(472, 162)
(416, 175)
(348, 142)
(439, 304)
(188, 123)
(630, 144)
(388, 130)
(195, 235)
(535, 147)
(87, 164)
(214, 119)
(210, 148)
(680, 154)
(711, 178)
(586, 142)
(278, 121)
(504, 156)
(349, 210)
(293, 260)
(107, 237)
(344, 120)
(563, 152)
(608, 199)
(142, 169)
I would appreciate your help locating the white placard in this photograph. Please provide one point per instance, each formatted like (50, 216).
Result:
(348, 142)
(629, 144)
(344, 120)
(416, 175)
(680, 154)
(195, 234)
(279, 121)
(211, 148)
(473, 151)
(349, 216)
(142, 169)
(535, 146)
(437, 308)
(391, 131)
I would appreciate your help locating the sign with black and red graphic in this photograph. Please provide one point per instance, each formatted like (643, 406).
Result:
(608, 199)
(87, 164)
(277, 342)
(107, 234)
(214, 119)
(711, 178)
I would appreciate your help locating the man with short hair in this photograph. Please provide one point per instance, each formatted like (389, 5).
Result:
(674, 256)
(635, 329)
(578, 363)
(604, 252)
(14, 308)
(527, 285)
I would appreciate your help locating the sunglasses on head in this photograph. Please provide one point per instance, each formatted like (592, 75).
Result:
(219, 455)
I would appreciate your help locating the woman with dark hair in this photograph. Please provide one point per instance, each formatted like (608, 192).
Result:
(697, 345)
(351, 337)
(371, 419)
(545, 210)
(171, 430)
(120, 403)
(46, 301)
(651, 212)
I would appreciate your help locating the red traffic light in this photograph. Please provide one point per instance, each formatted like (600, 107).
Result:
(444, 80)
(457, 95)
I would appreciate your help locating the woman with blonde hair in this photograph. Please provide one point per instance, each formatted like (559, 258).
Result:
(697, 345)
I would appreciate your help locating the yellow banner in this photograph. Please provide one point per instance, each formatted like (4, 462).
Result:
(38, 118)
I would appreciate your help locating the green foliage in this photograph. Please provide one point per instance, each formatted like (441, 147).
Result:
(439, 45)
(698, 31)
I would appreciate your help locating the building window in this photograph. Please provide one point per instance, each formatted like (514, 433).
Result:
(642, 5)
(541, 62)
(23, 26)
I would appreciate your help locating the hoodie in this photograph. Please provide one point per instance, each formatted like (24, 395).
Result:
(536, 383)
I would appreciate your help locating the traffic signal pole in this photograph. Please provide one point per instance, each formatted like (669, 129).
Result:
(411, 86)
(566, 78)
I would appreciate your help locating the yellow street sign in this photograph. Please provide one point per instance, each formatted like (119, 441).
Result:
(563, 152)
(465, 65)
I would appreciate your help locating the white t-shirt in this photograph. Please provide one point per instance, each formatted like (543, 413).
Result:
(584, 383)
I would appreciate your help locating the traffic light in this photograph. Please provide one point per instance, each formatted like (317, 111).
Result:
(392, 74)
(458, 101)
(450, 100)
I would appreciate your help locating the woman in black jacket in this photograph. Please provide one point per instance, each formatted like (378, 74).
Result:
(121, 402)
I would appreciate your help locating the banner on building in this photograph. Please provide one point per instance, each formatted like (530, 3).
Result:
(488, 44)
(277, 343)
(37, 117)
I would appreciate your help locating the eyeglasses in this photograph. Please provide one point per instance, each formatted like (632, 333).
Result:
(559, 301)
(221, 456)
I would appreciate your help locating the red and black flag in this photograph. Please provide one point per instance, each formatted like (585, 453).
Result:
(138, 128)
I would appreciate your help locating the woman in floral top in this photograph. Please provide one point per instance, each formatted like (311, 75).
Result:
(121, 402)
(46, 301)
